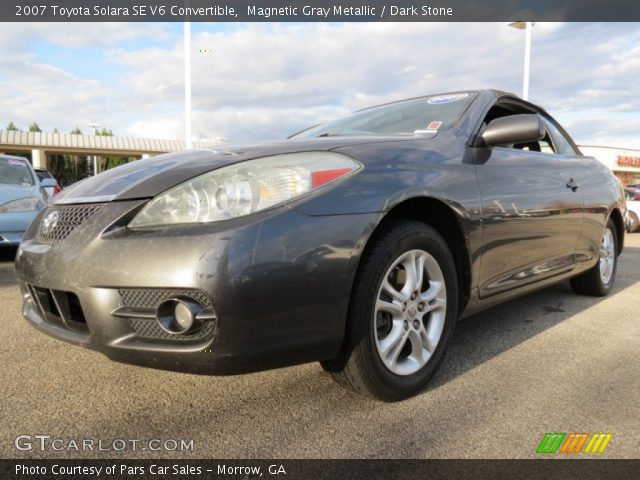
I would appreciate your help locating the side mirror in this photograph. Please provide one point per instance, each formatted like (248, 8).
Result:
(48, 182)
(526, 127)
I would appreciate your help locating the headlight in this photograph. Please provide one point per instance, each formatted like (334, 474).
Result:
(245, 188)
(21, 205)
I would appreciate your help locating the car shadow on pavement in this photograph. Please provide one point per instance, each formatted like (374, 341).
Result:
(7, 257)
(7, 254)
(481, 337)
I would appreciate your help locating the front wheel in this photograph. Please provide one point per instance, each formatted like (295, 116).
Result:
(599, 280)
(402, 312)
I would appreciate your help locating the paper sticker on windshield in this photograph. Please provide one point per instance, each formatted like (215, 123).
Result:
(447, 98)
(431, 128)
(17, 163)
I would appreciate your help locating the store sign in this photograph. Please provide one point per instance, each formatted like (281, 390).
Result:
(628, 161)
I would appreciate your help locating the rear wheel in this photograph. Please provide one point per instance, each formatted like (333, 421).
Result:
(599, 280)
(402, 312)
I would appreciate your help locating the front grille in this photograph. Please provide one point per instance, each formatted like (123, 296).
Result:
(151, 329)
(69, 218)
(152, 297)
(59, 308)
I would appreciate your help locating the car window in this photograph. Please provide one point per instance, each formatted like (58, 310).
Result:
(409, 117)
(553, 143)
(563, 147)
(15, 171)
(541, 146)
(42, 174)
(546, 146)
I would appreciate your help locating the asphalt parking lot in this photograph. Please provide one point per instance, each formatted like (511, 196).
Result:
(548, 362)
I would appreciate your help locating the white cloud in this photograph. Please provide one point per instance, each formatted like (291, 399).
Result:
(161, 128)
(99, 34)
(257, 80)
(50, 95)
(38, 88)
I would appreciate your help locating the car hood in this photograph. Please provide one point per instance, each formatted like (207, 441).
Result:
(14, 192)
(151, 176)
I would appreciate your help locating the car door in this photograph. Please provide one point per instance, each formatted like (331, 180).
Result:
(532, 211)
(600, 192)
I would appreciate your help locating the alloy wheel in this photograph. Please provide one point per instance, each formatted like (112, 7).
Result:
(607, 256)
(410, 312)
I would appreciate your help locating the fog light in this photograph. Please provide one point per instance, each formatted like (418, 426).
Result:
(178, 315)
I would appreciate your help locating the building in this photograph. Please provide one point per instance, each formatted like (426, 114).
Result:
(624, 162)
(72, 157)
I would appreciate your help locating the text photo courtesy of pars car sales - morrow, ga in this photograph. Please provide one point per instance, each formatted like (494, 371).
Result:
(319, 240)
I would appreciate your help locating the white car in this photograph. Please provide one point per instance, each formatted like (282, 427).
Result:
(633, 210)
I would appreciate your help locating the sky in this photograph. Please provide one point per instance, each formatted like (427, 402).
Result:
(258, 81)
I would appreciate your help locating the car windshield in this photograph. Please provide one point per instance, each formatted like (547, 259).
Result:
(409, 117)
(15, 171)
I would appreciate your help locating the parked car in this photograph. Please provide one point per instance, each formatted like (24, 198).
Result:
(633, 210)
(631, 194)
(357, 243)
(22, 196)
(44, 173)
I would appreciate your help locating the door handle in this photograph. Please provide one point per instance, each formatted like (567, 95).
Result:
(573, 185)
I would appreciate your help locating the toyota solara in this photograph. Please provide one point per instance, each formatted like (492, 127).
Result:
(357, 243)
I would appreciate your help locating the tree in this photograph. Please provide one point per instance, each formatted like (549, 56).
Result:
(55, 130)
(104, 133)
(34, 127)
(12, 127)
(76, 131)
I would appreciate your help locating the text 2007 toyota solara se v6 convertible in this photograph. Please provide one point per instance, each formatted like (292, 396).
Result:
(358, 243)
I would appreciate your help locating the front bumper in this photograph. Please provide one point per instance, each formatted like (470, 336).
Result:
(277, 283)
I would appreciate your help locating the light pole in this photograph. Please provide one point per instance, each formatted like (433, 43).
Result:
(95, 158)
(526, 26)
(187, 85)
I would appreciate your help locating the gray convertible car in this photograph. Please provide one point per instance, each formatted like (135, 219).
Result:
(357, 243)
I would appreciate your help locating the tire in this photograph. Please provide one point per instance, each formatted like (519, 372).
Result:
(598, 281)
(634, 224)
(392, 350)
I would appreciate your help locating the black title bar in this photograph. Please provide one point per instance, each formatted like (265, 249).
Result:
(118, 469)
(318, 11)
